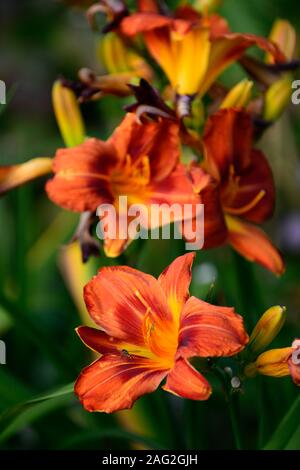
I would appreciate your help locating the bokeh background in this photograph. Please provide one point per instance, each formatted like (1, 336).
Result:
(41, 279)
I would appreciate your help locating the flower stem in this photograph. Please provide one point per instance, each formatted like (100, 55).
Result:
(232, 407)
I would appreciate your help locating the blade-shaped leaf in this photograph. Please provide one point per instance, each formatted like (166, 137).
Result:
(286, 428)
(21, 415)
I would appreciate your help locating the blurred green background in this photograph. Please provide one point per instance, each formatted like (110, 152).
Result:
(39, 41)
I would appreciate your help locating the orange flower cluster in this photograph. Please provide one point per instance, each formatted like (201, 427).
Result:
(151, 328)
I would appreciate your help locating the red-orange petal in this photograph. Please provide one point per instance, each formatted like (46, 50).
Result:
(253, 197)
(227, 48)
(228, 141)
(113, 383)
(176, 188)
(175, 281)
(215, 230)
(143, 22)
(294, 371)
(99, 341)
(119, 298)
(208, 330)
(81, 180)
(186, 382)
(252, 243)
(159, 141)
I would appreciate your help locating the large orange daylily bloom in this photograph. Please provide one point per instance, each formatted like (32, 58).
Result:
(193, 50)
(150, 328)
(278, 363)
(240, 191)
(139, 161)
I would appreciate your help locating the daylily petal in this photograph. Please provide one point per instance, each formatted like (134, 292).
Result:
(294, 362)
(99, 341)
(143, 22)
(119, 298)
(193, 47)
(81, 182)
(159, 141)
(215, 230)
(115, 247)
(15, 175)
(253, 195)
(174, 189)
(116, 243)
(227, 48)
(113, 383)
(184, 381)
(252, 243)
(175, 281)
(208, 330)
(228, 141)
(294, 371)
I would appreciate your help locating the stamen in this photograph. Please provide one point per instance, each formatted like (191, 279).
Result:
(142, 300)
(247, 207)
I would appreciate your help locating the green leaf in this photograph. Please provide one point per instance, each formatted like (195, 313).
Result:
(286, 428)
(12, 389)
(29, 411)
(66, 390)
(293, 443)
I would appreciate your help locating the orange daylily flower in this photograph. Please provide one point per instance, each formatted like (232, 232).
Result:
(278, 363)
(139, 161)
(241, 186)
(149, 329)
(193, 50)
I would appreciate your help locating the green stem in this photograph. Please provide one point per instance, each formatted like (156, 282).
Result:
(253, 306)
(232, 407)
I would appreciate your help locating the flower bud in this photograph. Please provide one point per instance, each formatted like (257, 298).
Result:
(239, 96)
(68, 115)
(274, 362)
(267, 328)
(277, 98)
(119, 58)
(207, 6)
(284, 35)
(16, 175)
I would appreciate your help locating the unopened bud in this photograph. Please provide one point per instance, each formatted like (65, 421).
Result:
(119, 58)
(239, 96)
(277, 98)
(68, 115)
(207, 6)
(284, 35)
(267, 328)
